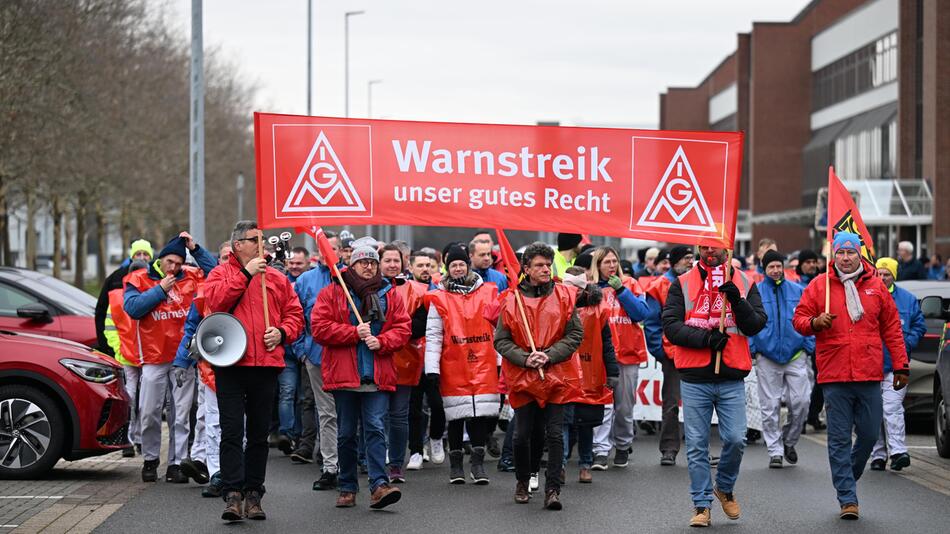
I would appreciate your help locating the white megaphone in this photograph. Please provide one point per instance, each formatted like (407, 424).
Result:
(220, 339)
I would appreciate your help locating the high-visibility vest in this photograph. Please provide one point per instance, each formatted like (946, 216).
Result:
(590, 357)
(629, 341)
(736, 355)
(159, 332)
(409, 360)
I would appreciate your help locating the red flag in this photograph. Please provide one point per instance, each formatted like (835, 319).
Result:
(326, 249)
(508, 259)
(843, 215)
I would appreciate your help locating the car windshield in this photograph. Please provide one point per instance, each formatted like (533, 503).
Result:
(76, 301)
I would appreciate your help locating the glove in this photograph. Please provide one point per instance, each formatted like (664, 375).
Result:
(731, 292)
(615, 282)
(613, 382)
(179, 376)
(900, 379)
(717, 340)
(822, 322)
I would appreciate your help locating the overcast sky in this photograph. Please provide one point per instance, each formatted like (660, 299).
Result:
(582, 62)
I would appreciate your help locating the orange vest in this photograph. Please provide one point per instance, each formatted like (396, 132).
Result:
(160, 331)
(590, 356)
(469, 363)
(659, 289)
(736, 354)
(548, 317)
(629, 342)
(205, 370)
(409, 360)
(124, 326)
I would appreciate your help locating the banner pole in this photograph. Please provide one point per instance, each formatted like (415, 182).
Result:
(260, 251)
(828, 267)
(524, 319)
(722, 312)
(349, 298)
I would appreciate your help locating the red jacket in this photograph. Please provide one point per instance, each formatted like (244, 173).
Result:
(229, 284)
(852, 352)
(331, 327)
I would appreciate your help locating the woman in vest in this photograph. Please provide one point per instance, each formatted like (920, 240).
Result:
(460, 356)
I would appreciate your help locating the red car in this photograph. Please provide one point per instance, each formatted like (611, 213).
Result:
(58, 399)
(39, 304)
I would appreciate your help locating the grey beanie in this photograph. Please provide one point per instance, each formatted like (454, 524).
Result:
(364, 248)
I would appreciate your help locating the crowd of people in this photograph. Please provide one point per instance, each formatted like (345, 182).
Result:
(383, 358)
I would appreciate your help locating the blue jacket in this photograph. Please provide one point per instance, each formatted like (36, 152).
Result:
(308, 286)
(137, 304)
(779, 341)
(182, 357)
(495, 277)
(912, 322)
(653, 325)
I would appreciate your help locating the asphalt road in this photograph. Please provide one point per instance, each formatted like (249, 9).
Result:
(643, 497)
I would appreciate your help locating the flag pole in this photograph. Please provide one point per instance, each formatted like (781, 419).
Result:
(524, 319)
(830, 234)
(349, 298)
(260, 251)
(722, 312)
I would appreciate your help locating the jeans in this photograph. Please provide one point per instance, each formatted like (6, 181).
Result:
(398, 425)
(370, 408)
(851, 406)
(286, 395)
(585, 440)
(699, 401)
(536, 427)
(670, 428)
(245, 400)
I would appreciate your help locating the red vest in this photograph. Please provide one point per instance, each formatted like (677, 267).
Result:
(590, 356)
(548, 317)
(410, 359)
(125, 327)
(629, 342)
(736, 354)
(160, 331)
(469, 363)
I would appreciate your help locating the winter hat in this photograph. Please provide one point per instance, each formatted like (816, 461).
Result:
(584, 260)
(888, 263)
(846, 240)
(455, 253)
(626, 267)
(364, 248)
(568, 241)
(679, 252)
(175, 246)
(805, 255)
(577, 280)
(770, 256)
(346, 243)
(141, 245)
(662, 255)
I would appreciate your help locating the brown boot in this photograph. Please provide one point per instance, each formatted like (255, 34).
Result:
(347, 499)
(700, 517)
(383, 496)
(252, 506)
(552, 499)
(232, 507)
(585, 477)
(522, 495)
(849, 511)
(729, 505)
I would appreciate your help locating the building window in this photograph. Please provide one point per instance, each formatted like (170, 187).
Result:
(864, 69)
(869, 154)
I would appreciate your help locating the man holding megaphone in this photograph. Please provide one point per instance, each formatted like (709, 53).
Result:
(264, 302)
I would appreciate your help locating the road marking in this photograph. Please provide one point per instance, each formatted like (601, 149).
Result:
(31, 497)
(9, 526)
(930, 447)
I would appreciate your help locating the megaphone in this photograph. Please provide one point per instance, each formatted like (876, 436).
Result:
(220, 339)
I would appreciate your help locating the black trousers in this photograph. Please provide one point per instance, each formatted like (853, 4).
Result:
(670, 430)
(477, 432)
(536, 427)
(430, 390)
(245, 400)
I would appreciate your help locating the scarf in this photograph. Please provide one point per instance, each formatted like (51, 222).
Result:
(708, 305)
(462, 286)
(366, 291)
(851, 295)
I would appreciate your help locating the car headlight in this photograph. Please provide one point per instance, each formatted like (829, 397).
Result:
(91, 371)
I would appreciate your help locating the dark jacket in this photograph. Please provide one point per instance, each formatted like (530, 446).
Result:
(911, 270)
(113, 281)
(750, 319)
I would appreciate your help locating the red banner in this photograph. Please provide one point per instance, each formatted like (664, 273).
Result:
(658, 185)
(843, 215)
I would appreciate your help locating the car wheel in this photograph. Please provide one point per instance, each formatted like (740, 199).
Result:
(941, 423)
(31, 432)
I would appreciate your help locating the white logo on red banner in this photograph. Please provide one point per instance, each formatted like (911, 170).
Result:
(678, 202)
(323, 183)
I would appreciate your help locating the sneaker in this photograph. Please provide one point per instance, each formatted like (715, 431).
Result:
(600, 463)
(232, 507)
(425, 455)
(585, 476)
(775, 462)
(252, 506)
(729, 505)
(900, 461)
(285, 444)
(302, 456)
(174, 475)
(621, 457)
(878, 464)
(552, 500)
(346, 499)
(849, 511)
(327, 481)
(700, 517)
(817, 424)
(214, 487)
(791, 455)
(195, 470)
(505, 466)
(436, 451)
(150, 471)
(415, 462)
(383, 496)
(128, 452)
(522, 493)
(533, 484)
(396, 476)
(668, 458)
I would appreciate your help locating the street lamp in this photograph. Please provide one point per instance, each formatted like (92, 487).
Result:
(240, 196)
(346, 58)
(369, 97)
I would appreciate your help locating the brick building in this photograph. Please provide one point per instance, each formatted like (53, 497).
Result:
(863, 85)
